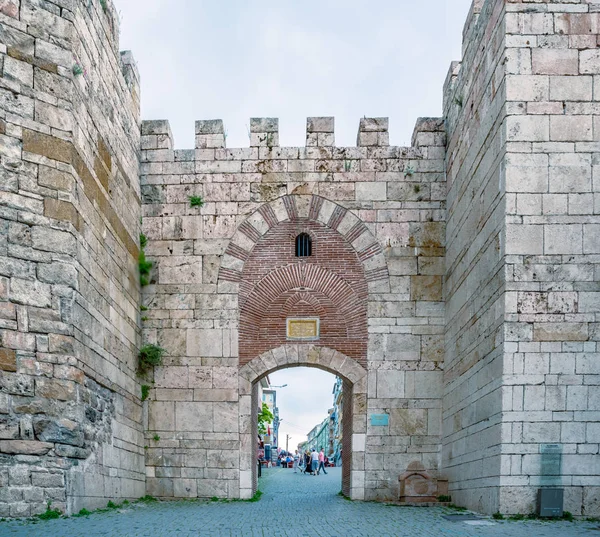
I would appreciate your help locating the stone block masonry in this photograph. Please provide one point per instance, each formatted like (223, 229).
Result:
(455, 282)
(70, 415)
(551, 351)
(522, 351)
(226, 278)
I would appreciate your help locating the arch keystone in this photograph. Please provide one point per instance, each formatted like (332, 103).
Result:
(280, 356)
(293, 356)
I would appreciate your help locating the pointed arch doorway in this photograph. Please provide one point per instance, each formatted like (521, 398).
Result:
(304, 259)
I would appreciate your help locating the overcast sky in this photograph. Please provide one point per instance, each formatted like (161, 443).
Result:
(236, 59)
(303, 403)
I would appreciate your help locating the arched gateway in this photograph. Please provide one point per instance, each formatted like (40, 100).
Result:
(354, 416)
(302, 265)
(301, 280)
(452, 271)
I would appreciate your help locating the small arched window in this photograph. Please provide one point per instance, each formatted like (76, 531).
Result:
(303, 245)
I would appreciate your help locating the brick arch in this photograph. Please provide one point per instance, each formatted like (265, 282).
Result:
(305, 290)
(354, 423)
(305, 277)
(333, 278)
(304, 298)
(305, 209)
(334, 282)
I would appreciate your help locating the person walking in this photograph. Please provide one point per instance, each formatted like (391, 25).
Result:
(321, 462)
(296, 460)
(315, 461)
(307, 463)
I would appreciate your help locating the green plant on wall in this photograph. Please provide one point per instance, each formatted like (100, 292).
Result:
(196, 201)
(145, 391)
(50, 513)
(104, 5)
(144, 265)
(150, 355)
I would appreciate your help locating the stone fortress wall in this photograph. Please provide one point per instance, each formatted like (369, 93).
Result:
(523, 243)
(456, 280)
(376, 214)
(70, 413)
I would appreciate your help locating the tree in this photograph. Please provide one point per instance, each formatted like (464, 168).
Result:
(265, 416)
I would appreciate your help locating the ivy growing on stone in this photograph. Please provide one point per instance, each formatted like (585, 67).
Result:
(104, 5)
(145, 266)
(145, 391)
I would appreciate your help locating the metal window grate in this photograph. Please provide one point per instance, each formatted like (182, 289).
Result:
(303, 245)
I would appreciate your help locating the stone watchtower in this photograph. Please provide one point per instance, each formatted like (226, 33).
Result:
(452, 285)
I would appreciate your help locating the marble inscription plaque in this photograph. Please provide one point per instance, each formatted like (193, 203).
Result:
(303, 328)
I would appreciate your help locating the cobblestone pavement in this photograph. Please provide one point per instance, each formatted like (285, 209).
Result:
(292, 506)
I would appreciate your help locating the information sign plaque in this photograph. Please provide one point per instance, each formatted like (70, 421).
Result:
(551, 464)
(380, 420)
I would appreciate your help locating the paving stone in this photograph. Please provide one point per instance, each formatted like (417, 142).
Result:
(285, 497)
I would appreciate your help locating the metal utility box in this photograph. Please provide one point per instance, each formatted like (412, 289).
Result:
(550, 502)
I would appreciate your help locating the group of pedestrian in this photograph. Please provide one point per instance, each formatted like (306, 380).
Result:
(285, 459)
(311, 462)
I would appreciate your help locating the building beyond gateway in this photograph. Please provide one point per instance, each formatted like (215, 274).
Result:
(453, 285)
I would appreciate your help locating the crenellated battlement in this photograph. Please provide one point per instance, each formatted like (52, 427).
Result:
(211, 141)
(372, 159)
(320, 132)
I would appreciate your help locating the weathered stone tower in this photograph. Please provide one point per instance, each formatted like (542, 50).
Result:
(70, 410)
(453, 285)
